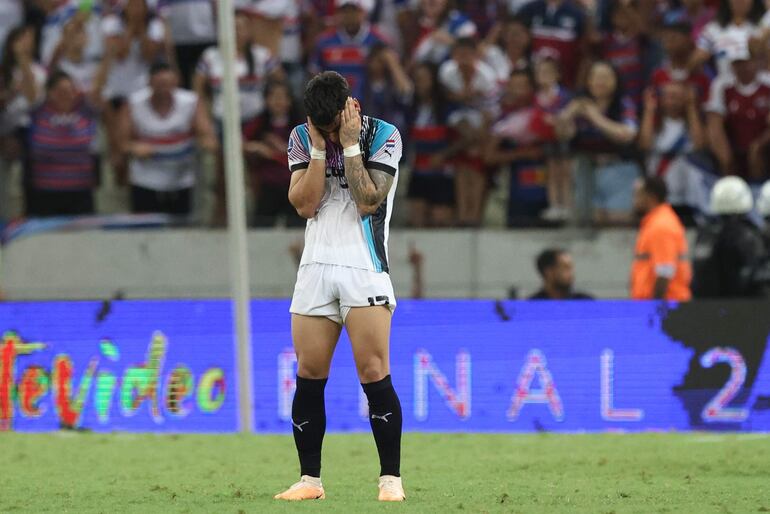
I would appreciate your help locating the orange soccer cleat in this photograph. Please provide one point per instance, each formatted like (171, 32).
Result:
(391, 489)
(308, 488)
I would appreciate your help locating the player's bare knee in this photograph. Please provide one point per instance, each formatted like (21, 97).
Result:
(372, 370)
(312, 371)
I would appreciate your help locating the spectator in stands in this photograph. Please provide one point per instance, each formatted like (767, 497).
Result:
(557, 270)
(601, 123)
(346, 48)
(516, 145)
(431, 185)
(736, 23)
(22, 86)
(737, 117)
(678, 49)
(193, 29)
(133, 40)
(624, 47)
(62, 164)
(672, 128)
(699, 14)
(71, 55)
(267, 159)
(163, 123)
(439, 25)
(471, 86)
(57, 13)
(551, 98)
(388, 87)
(507, 48)
(278, 25)
(11, 16)
(728, 250)
(660, 269)
(255, 65)
(482, 13)
(560, 25)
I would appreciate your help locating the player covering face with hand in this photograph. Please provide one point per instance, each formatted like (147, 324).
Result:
(344, 173)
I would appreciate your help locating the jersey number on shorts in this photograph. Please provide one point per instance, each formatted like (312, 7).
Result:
(379, 300)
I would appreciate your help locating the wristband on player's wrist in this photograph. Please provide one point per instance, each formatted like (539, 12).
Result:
(317, 154)
(352, 150)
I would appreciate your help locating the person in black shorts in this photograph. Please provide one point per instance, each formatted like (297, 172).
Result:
(431, 186)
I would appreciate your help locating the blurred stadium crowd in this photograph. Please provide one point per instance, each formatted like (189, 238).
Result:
(573, 100)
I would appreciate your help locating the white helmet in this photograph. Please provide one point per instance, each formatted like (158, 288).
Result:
(763, 202)
(731, 195)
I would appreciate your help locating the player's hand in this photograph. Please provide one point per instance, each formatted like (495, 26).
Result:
(350, 124)
(316, 139)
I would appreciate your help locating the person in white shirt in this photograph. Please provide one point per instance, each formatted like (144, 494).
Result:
(11, 16)
(737, 22)
(472, 86)
(193, 29)
(133, 40)
(277, 25)
(58, 14)
(671, 129)
(344, 174)
(165, 126)
(255, 65)
(22, 86)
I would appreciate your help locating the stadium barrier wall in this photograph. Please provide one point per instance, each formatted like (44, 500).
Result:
(168, 366)
(188, 263)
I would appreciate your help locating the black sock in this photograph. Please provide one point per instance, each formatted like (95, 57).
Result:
(308, 417)
(385, 419)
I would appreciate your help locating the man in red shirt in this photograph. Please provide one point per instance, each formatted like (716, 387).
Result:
(679, 47)
(661, 269)
(737, 118)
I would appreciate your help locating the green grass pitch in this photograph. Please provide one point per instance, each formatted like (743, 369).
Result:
(540, 473)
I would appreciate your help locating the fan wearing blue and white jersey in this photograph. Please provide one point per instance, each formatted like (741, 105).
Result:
(344, 172)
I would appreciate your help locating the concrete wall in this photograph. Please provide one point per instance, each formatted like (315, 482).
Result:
(193, 263)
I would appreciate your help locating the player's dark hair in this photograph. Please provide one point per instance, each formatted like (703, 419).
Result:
(655, 187)
(325, 97)
(547, 259)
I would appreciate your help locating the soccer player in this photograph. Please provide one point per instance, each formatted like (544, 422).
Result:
(344, 172)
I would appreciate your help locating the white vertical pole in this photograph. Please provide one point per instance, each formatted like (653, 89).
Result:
(236, 214)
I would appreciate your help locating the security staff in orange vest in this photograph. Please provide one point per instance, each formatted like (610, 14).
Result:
(661, 269)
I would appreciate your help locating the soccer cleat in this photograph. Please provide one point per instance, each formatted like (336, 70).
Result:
(308, 488)
(391, 489)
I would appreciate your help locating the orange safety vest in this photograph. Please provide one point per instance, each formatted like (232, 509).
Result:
(661, 251)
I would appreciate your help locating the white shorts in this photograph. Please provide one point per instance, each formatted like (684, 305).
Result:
(331, 291)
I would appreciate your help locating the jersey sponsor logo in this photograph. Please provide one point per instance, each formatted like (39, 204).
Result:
(378, 300)
(339, 174)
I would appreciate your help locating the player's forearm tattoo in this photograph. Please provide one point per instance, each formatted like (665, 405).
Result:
(367, 187)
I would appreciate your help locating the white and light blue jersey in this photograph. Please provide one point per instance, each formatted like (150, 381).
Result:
(338, 234)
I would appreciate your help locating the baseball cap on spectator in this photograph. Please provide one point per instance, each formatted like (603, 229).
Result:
(678, 21)
(365, 5)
